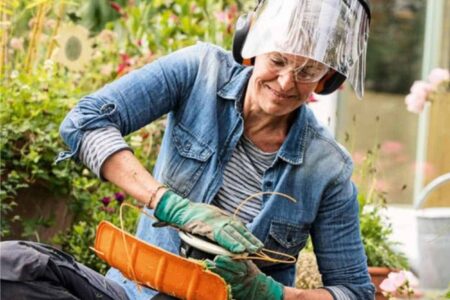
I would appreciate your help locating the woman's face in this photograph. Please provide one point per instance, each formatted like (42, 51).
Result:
(277, 86)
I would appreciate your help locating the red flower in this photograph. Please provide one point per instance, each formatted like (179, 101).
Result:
(116, 6)
(106, 201)
(125, 63)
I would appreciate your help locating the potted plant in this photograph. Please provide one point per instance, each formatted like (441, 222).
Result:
(376, 230)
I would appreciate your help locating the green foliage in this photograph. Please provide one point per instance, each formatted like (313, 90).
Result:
(32, 108)
(391, 67)
(375, 228)
(36, 96)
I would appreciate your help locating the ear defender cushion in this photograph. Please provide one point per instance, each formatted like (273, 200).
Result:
(329, 83)
(240, 34)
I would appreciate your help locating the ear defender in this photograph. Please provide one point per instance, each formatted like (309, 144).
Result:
(240, 35)
(329, 83)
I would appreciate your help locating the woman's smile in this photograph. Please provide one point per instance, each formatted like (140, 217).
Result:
(279, 94)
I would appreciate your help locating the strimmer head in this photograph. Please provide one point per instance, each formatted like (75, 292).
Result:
(200, 247)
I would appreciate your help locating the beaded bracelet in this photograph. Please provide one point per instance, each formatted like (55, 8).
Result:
(153, 194)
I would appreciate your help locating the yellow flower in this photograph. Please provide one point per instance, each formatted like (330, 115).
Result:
(75, 49)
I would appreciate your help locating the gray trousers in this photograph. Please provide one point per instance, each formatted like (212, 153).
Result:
(30, 270)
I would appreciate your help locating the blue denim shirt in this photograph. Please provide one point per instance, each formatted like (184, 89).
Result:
(201, 89)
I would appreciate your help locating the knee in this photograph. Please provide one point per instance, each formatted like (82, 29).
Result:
(21, 260)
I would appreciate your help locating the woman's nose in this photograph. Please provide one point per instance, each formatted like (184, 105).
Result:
(286, 80)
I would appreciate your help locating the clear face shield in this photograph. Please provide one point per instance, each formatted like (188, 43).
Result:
(331, 32)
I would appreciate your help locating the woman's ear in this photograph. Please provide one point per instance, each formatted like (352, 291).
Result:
(322, 82)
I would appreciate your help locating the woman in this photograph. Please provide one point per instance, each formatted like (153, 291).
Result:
(233, 131)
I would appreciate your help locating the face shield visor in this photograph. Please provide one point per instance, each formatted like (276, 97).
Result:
(332, 32)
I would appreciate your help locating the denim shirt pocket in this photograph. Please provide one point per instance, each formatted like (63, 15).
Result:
(186, 162)
(286, 238)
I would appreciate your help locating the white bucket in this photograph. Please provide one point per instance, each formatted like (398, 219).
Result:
(433, 228)
(433, 237)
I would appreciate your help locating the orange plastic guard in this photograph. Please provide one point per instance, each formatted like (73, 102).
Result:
(156, 268)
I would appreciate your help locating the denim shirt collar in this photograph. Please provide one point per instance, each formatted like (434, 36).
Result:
(235, 88)
(293, 148)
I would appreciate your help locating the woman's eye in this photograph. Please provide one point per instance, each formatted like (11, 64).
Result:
(277, 61)
(306, 72)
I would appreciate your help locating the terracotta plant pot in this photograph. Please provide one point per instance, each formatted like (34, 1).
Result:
(378, 274)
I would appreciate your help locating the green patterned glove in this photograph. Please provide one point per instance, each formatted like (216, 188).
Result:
(206, 220)
(246, 280)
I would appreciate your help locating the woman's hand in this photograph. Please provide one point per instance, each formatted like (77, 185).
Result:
(246, 280)
(206, 220)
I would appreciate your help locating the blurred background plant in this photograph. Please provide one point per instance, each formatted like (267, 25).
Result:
(53, 52)
(376, 230)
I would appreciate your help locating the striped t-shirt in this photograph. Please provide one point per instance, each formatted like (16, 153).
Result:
(242, 179)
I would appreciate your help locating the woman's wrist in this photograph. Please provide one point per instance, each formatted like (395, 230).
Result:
(291, 293)
(155, 195)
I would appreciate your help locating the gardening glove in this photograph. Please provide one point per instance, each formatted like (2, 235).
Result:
(206, 220)
(246, 280)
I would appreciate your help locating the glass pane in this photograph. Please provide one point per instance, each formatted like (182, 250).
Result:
(381, 122)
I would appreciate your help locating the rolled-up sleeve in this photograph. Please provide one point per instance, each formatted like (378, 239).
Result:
(337, 241)
(133, 100)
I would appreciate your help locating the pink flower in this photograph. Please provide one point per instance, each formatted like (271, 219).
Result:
(421, 88)
(107, 36)
(173, 18)
(16, 43)
(382, 185)
(388, 285)
(413, 281)
(415, 103)
(221, 16)
(391, 147)
(397, 278)
(437, 76)
(428, 169)
(106, 69)
(358, 157)
(193, 8)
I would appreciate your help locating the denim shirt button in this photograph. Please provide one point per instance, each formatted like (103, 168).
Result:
(268, 184)
(188, 146)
